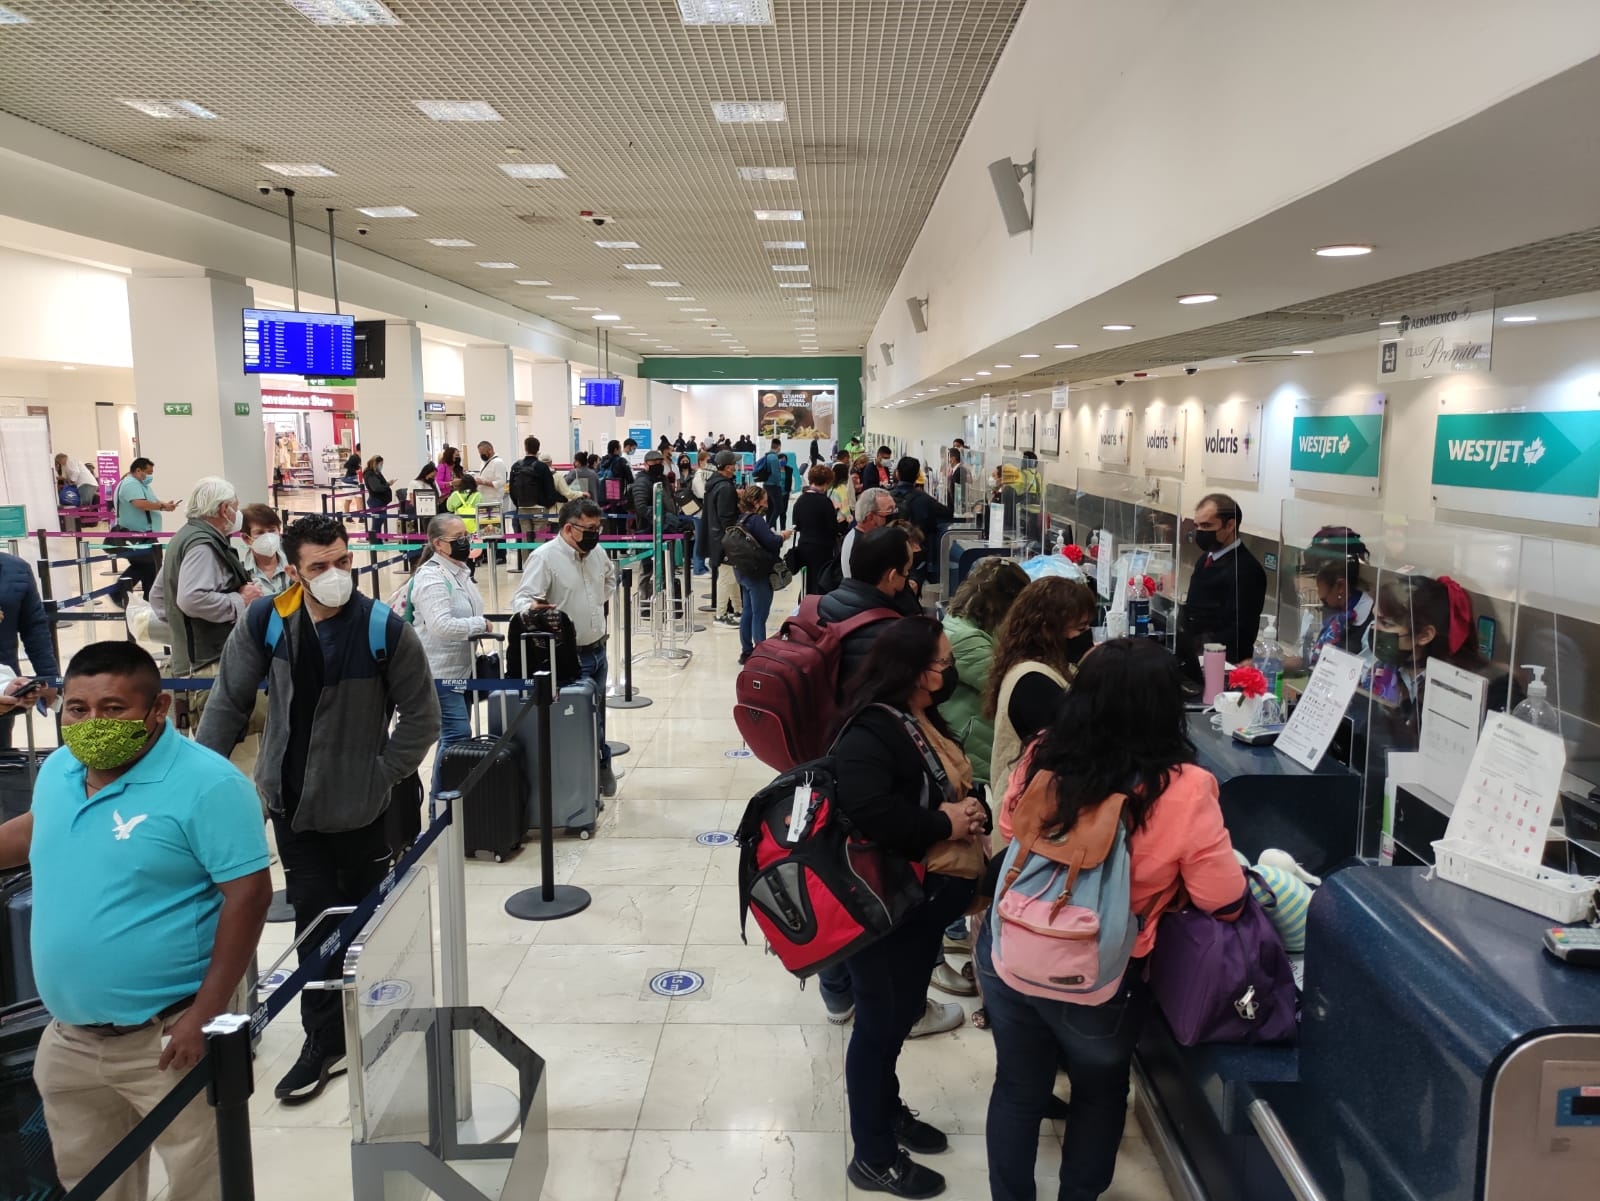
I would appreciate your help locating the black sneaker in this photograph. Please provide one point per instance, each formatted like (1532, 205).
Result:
(902, 1179)
(916, 1135)
(310, 1074)
(608, 782)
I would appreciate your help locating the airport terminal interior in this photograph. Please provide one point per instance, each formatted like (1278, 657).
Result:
(1145, 294)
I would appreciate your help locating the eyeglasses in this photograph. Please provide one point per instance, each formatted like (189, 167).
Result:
(941, 664)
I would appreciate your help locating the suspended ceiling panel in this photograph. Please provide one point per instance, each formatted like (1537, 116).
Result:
(617, 94)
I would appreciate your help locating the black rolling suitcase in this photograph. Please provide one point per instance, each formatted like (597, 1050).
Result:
(16, 925)
(27, 1163)
(492, 815)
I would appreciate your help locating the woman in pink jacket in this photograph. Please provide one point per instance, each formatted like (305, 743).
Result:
(1122, 728)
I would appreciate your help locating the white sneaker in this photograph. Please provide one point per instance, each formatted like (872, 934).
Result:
(938, 1018)
(951, 980)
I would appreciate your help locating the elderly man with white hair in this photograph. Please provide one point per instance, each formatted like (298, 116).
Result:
(875, 508)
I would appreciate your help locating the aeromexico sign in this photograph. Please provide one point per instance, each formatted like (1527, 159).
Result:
(1444, 338)
(1544, 465)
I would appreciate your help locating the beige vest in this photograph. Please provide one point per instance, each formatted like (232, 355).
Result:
(1007, 742)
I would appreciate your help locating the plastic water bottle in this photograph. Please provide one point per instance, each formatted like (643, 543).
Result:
(1537, 709)
(1268, 657)
(1138, 608)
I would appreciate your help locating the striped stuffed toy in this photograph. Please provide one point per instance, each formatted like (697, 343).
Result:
(1283, 888)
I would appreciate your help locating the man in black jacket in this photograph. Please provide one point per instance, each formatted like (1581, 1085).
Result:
(880, 565)
(722, 511)
(922, 511)
(532, 488)
(1228, 589)
(642, 498)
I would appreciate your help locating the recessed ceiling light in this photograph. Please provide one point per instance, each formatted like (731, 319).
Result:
(1396, 321)
(665, 283)
(690, 299)
(387, 210)
(1002, 366)
(533, 170)
(790, 267)
(1302, 352)
(64, 366)
(10, 17)
(560, 296)
(779, 215)
(784, 245)
(750, 112)
(1520, 320)
(498, 266)
(534, 283)
(691, 310)
(1344, 250)
(1066, 346)
(1030, 356)
(641, 266)
(608, 317)
(1198, 298)
(985, 373)
(794, 285)
(172, 109)
(452, 242)
(618, 245)
(767, 174)
(725, 12)
(967, 379)
(706, 320)
(1116, 328)
(304, 169)
(458, 110)
(585, 308)
(344, 12)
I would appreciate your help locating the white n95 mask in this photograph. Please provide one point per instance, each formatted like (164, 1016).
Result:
(332, 588)
(267, 545)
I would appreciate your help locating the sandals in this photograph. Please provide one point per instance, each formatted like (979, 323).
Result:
(980, 1018)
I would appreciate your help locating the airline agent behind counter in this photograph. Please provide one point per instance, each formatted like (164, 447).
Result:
(1228, 589)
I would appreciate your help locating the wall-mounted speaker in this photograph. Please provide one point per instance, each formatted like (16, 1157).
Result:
(1014, 207)
(888, 353)
(917, 306)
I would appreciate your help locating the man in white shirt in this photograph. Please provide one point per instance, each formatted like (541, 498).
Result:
(875, 508)
(572, 573)
(70, 471)
(492, 478)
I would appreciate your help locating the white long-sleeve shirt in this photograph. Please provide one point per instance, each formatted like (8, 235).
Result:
(579, 586)
(447, 610)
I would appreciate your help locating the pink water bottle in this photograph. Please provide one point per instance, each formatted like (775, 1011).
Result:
(1212, 666)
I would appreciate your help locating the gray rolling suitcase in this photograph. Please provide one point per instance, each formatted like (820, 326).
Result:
(16, 926)
(575, 764)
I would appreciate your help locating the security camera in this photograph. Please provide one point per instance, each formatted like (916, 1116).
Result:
(1120, 382)
(595, 218)
(1190, 370)
(362, 230)
(264, 188)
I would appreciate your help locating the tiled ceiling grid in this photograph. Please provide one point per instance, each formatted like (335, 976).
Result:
(618, 94)
(1559, 266)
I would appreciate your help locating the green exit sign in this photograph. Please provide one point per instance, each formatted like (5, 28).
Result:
(241, 408)
(178, 410)
(485, 416)
(13, 521)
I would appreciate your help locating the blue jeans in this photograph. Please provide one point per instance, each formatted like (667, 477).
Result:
(593, 666)
(1095, 1044)
(757, 600)
(454, 724)
(700, 565)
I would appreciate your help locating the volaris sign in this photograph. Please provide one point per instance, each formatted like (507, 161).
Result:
(1332, 445)
(1547, 453)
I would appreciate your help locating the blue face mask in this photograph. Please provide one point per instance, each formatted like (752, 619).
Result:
(149, 479)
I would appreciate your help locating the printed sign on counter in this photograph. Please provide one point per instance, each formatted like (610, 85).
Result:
(1452, 711)
(1322, 707)
(1544, 466)
(1510, 793)
(1452, 336)
(1336, 447)
(1116, 430)
(1231, 446)
(1164, 428)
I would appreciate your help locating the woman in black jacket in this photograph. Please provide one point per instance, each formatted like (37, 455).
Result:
(817, 522)
(380, 494)
(890, 792)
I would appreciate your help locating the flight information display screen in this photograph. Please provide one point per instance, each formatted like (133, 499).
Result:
(285, 343)
(603, 391)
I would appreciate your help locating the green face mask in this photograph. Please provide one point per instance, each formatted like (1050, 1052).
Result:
(105, 743)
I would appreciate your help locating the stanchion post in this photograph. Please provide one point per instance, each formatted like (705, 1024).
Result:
(627, 633)
(47, 594)
(232, 1082)
(372, 561)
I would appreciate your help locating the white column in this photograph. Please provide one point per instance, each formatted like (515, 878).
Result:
(390, 409)
(199, 413)
(552, 409)
(491, 393)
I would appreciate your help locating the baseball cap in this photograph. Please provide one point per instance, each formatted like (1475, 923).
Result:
(725, 458)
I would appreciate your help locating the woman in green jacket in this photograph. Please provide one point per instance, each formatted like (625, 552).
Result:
(975, 614)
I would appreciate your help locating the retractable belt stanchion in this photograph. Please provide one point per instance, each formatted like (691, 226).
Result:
(550, 900)
(629, 698)
(228, 1092)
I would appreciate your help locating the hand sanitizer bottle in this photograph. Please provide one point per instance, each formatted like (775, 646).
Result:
(1537, 710)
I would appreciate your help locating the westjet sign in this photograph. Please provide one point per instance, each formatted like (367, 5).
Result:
(1549, 453)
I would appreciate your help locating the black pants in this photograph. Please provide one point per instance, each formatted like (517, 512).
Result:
(324, 871)
(140, 571)
(890, 981)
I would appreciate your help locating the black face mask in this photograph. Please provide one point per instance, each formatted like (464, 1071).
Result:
(657, 471)
(1080, 646)
(588, 540)
(461, 548)
(1206, 541)
(950, 677)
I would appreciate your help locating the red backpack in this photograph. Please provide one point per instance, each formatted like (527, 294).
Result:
(786, 698)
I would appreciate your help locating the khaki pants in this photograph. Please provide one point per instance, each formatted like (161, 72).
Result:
(96, 1088)
(728, 594)
(248, 749)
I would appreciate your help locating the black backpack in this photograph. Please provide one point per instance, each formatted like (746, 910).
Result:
(531, 484)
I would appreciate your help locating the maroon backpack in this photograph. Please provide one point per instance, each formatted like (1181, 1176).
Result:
(786, 697)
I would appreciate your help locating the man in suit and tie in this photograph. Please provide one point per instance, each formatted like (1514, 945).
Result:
(1228, 589)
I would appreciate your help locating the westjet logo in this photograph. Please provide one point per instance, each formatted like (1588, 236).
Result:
(1495, 452)
(1323, 445)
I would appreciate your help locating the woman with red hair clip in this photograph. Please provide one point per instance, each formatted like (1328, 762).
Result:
(1419, 620)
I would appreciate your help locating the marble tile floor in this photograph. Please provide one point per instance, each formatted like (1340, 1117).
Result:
(736, 1091)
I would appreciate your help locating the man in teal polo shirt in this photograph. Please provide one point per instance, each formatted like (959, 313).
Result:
(150, 889)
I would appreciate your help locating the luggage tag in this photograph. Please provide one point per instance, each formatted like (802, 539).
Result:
(800, 813)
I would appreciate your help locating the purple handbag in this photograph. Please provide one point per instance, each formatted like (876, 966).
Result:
(1224, 982)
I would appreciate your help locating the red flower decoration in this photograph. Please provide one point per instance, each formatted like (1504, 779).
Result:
(1073, 552)
(1248, 681)
(1149, 586)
